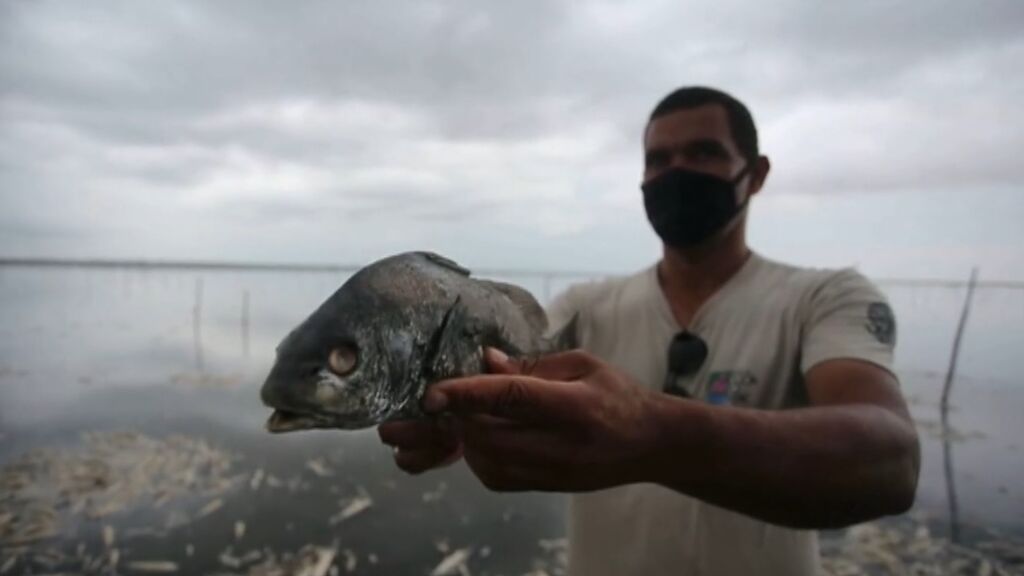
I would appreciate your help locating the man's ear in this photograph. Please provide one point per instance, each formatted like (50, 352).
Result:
(759, 174)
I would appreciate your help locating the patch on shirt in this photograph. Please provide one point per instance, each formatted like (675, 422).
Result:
(881, 322)
(730, 387)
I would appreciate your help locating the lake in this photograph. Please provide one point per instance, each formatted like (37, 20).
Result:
(130, 420)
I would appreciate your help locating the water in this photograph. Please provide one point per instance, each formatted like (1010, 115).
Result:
(85, 349)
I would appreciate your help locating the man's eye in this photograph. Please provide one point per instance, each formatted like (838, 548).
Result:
(656, 160)
(706, 153)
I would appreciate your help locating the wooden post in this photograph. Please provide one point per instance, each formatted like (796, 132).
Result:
(197, 318)
(944, 403)
(947, 449)
(951, 499)
(245, 323)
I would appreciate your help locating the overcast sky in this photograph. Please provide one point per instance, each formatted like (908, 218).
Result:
(503, 134)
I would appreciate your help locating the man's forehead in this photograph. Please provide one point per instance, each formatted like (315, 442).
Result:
(709, 121)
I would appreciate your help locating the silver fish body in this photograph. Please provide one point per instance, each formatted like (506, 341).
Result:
(367, 354)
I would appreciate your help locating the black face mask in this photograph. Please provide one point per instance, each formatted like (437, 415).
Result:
(686, 207)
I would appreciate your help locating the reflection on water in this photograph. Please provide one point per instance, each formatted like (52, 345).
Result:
(215, 471)
(165, 354)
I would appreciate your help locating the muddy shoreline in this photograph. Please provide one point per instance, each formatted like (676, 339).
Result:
(161, 480)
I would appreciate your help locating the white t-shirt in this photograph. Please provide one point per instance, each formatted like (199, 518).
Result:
(765, 328)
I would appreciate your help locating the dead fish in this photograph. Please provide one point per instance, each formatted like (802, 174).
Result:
(452, 563)
(367, 354)
(158, 566)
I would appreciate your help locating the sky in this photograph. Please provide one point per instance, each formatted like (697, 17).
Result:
(503, 134)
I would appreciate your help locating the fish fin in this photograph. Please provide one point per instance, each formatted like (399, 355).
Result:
(441, 361)
(566, 337)
(445, 262)
(527, 304)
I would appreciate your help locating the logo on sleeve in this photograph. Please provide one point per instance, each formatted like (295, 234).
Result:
(881, 322)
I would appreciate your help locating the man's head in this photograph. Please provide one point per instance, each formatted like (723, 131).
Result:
(740, 122)
(696, 133)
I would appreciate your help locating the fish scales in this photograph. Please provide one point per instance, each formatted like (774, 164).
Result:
(398, 325)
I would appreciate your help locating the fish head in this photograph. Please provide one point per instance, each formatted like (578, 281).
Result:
(335, 371)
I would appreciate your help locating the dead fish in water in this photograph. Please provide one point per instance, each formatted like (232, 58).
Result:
(367, 354)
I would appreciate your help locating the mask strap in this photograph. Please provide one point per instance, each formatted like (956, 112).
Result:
(736, 181)
(744, 172)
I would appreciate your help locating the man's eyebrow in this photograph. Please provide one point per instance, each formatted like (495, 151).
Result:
(656, 153)
(698, 144)
(706, 143)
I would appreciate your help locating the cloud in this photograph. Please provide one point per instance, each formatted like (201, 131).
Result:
(188, 124)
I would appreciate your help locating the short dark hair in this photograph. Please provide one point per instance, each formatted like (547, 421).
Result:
(741, 123)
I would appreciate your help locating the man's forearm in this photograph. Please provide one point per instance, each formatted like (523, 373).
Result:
(819, 467)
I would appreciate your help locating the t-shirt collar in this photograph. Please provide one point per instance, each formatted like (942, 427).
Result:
(664, 311)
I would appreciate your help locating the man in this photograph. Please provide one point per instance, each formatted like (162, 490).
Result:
(722, 406)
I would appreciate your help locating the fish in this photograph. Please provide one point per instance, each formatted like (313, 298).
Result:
(367, 354)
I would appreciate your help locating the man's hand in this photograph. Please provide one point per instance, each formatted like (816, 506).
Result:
(571, 423)
(567, 422)
(421, 445)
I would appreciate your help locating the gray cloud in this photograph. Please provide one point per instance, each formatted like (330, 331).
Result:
(176, 123)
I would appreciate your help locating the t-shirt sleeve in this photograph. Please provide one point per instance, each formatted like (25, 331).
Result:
(849, 317)
(561, 310)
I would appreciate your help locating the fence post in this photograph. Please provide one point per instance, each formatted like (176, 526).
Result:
(947, 449)
(954, 356)
(197, 320)
(245, 323)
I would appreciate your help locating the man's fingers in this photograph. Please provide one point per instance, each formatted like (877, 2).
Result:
(418, 434)
(511, 393)
(569, 365)
(505, 476)
(499, 363)
(522, 398)
(565, 366)
(421, 445)
(496, 475)
(418, 461)
(514, 443)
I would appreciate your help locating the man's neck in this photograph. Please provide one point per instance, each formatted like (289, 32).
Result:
(688, 277)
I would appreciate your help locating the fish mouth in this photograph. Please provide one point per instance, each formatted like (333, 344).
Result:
(281, 421)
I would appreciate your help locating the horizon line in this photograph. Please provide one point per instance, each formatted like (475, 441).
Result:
(236, 266)
(228, 265)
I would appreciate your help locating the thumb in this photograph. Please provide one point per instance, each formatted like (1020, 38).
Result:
(509, 396)
(499, 363)
(561, 366)
(564, 366)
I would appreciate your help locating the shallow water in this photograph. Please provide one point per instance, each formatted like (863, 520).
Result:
(103, 350)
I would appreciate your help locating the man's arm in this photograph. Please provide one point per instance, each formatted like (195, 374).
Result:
(577, 424)
(852, 456)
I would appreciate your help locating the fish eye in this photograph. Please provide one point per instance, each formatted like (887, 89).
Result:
(342, 360)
